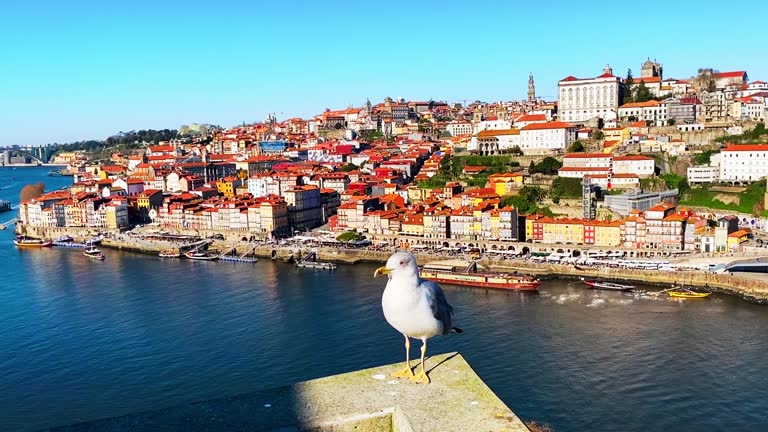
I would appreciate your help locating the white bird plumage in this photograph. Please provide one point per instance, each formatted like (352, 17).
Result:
(415, 307)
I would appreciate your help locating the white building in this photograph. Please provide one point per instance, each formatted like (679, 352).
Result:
(543, 138)
(582, 99)
(492, 123)
(457, 128)
(651, 110)
(602, 167)
(748, 162)
(703, 174)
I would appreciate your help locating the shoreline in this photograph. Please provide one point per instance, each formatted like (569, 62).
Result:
(747, 289)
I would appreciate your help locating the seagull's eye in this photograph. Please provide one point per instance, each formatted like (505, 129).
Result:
(402, 263)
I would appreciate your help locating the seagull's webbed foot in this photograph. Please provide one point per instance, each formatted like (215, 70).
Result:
(406, 372)
(420, 378)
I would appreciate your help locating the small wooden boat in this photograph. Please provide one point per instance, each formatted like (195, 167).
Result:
(687, 294)
(609, 286)
(30, 242)
(93, 253)
(170, 253)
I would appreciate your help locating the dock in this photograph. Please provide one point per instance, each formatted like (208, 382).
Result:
(71, 245)
(310, 261)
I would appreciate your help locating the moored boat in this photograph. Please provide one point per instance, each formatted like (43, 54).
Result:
(64, 239)
(450, 272)
(5, 206)
(31, 242)
(93, 253)
(686, 293)
(201, 255)
(170, 253)
(609, 286)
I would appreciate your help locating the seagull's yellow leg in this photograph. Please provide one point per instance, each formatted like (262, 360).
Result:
(421, 377)
(406, 372)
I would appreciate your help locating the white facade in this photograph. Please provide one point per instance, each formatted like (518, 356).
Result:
(496, 124)
(744, 162)
(459, 128)
(257, 186)
(596, 165)
(703, 174)
(645, 111)
(543, 138)
(580, 100)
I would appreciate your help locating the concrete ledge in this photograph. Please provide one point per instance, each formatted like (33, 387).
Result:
(365, 400)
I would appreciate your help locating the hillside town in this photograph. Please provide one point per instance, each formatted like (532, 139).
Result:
(585, 169)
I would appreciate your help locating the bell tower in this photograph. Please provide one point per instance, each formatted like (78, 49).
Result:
(531, 88)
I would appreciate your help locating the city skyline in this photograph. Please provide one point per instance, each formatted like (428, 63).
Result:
(86, 71)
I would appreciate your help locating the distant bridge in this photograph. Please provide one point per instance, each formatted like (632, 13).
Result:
(5, 225)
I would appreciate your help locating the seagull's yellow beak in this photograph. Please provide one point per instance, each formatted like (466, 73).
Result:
(381, 271)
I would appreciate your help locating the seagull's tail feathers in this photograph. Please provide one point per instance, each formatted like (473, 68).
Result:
(456, 330)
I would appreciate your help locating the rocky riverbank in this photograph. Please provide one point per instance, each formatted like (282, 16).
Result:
(751, 290)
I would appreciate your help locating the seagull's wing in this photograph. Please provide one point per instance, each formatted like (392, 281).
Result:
(435, 296)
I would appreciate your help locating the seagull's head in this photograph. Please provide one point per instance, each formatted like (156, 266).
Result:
(400, 264)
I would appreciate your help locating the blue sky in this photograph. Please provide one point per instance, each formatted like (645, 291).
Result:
(87, 69)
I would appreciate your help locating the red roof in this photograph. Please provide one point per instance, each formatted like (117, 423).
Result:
(632, 157)
(570, 78)
(734, 74)
(577, 169)
(548, 125)
(532, 118)
(586, 155)
(746, 147)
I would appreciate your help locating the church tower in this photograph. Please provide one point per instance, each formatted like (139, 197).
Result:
(531, 89)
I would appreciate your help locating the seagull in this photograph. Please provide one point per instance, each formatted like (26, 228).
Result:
(415, 307)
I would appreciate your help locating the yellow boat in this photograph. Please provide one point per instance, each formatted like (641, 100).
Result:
(688, 294)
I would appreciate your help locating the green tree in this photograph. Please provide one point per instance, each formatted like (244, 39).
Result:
(671, 122)
(548, 165)
(349, 167)
(576, 147)
(531, 168)
(629, 83)
(598, 135)
(515, 150)
(642, 93)
(348, 236)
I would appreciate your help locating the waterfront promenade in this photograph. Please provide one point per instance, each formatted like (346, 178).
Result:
(747, 288)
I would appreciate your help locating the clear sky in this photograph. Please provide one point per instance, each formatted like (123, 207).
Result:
(72, 70)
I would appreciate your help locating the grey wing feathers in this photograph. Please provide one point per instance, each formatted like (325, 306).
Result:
(441, 310)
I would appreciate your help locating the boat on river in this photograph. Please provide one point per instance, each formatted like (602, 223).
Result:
(310, 261)
(608, 286)
(686, 293)
(170, 253)
(94, 253)
(5, 206)
(458, 272)
(200, 255)
(31, 242)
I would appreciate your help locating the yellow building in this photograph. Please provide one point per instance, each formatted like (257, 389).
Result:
(418, 194)
(226, 187)
(736, 238)
(505, 183)
(607, 233)
(413, 226)
(614, 134)
(566, 231)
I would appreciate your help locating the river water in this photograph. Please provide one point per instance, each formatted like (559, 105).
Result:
(81, 340)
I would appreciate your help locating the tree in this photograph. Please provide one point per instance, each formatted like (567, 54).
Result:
(31, 191)
(671, 122)
(600, 123)
(548, 166)
(576, 147)
(349, 167)
(629, 82)
(642, 93)
(598, 135)
(531, 168)
(704, 81)
(515, 150)
(348, 236)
